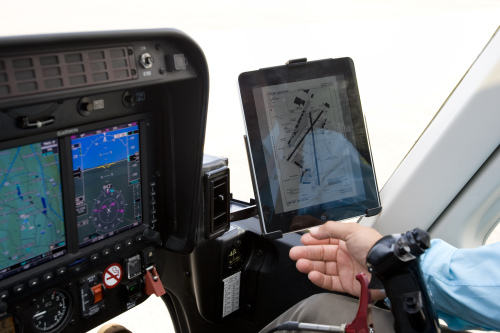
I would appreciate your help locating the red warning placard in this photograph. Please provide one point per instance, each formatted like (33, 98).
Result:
(112, 275)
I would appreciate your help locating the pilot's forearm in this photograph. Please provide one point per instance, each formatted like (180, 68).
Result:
(465, 284)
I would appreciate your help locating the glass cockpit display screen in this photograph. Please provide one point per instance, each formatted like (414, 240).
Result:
(32, 227)
(308, 144)
(106, 173)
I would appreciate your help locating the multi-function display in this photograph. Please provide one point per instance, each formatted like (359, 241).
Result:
(32, 229)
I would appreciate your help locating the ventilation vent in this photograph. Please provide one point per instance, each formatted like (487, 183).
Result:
(48, 72)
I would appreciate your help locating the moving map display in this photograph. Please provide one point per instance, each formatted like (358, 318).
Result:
(106, 173)
(31, 208)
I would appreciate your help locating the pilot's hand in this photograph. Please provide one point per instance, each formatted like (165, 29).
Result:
(334, 253)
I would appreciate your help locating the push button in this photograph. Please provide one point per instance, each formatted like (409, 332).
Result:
(48, 277)
(33, 283)
(17, 289)
(4, 294)
(61, 271)
(133, 290)
(148, 256)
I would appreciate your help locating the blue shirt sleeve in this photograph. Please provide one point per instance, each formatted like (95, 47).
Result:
(465, 284)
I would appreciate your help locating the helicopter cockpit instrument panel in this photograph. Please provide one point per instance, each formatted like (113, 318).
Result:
(92, 140)
(107, 198)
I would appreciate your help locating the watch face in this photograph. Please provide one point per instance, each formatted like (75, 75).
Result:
(108, 210)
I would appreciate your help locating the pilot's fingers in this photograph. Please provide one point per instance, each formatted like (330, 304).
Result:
(326, 281)
(307, 239)
(344, 231)
(336, 230)
(307, 266)
(314, 252)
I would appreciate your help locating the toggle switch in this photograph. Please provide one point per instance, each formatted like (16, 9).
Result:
(147, 60)
(97, 292)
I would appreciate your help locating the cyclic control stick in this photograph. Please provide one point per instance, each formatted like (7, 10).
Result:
(394, 264)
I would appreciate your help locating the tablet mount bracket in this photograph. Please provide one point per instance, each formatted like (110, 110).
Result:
(296, 62)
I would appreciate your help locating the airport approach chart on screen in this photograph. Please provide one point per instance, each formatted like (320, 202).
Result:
(308, 137)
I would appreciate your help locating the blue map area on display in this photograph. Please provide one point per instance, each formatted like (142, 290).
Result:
(31, 209)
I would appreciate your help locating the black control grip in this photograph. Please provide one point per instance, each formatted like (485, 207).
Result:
(394, 262)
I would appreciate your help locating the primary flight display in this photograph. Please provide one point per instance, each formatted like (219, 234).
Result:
(107, 178)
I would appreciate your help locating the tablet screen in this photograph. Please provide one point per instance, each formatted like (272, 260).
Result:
(308, 145)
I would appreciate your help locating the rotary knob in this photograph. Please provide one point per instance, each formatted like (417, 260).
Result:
(85, 106)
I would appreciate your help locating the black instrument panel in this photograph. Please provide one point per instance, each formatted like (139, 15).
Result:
(95, 171)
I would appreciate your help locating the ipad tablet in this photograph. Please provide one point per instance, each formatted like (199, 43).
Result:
(307, 144)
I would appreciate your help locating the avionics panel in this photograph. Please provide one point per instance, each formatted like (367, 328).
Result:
(32, 229)
(103, 270)
(107, 179)
(39, 178)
